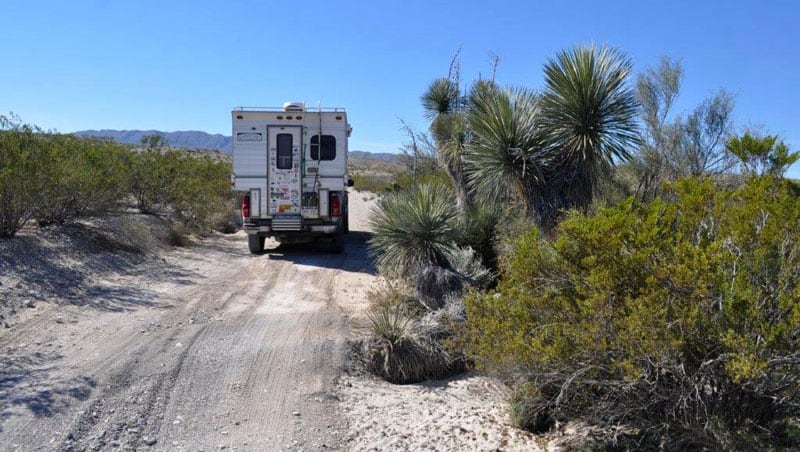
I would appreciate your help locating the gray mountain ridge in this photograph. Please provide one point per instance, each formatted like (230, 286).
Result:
(193, 139)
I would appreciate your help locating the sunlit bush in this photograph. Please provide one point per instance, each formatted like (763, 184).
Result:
(679, 318)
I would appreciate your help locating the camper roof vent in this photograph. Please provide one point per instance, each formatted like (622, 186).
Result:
(294, 106)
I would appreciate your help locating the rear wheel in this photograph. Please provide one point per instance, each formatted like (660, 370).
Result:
(255, 243)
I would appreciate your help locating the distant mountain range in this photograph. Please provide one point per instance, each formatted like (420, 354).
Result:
(187, 139)
(193, 139)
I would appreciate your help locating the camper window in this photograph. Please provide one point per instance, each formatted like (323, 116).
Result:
(328, 147)
(284, 152)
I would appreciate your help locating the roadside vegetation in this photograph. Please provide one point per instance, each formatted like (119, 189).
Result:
(619, 265)
(52, 179)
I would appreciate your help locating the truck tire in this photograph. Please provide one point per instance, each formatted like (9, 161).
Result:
(255, 243)
(337, 244)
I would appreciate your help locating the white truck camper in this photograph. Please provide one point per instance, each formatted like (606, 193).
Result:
(291, 162)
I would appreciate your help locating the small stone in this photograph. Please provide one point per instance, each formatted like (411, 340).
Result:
(295, 413)
(149, 441)
(176, 422)
(28, 304)
(59, 319)
(224, 432)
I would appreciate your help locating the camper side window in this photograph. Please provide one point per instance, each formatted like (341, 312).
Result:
(328, 147)
(284, 151)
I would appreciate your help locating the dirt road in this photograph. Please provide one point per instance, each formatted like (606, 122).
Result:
(204, 348)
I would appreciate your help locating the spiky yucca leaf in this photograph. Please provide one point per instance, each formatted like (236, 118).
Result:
(589, 114)
(587, 109)
(440, 98)
(391, 324)
(506, 154)
(414, 228)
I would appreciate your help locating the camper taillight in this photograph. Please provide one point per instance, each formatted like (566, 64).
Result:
(246, 206)
(336, 207)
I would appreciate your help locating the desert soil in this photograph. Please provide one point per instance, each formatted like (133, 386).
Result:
(208, 347)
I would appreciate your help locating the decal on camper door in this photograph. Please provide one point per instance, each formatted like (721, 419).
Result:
(285, 181)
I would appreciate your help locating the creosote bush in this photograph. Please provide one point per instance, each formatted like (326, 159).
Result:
(56, 179)
(679, 318)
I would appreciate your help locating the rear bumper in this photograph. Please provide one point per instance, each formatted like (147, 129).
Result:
(264, 227)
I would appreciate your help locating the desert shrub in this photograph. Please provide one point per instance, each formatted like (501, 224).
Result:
(432, 284)
(20, 163)
(478, 229)
(467, 263)
(374, 183)
(403, 352)
(151, 177)
(194, 190)
(413, 229)
(178, 235)
(202, 189)
(679, 318)
(80, 176)
(405, 180)
(229, 220)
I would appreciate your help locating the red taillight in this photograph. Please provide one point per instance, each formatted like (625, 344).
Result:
(336, 208)
(246, 206)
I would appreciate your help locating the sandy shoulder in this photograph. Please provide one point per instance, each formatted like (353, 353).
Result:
(468, 412)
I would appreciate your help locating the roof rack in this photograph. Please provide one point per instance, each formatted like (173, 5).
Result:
(280, 109)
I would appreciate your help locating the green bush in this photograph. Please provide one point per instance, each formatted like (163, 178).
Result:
(202, 189)
(195, 190)
(478, 228)
(55, 178)
(80, 176)
(373, 183)
(20, 163)
(678, 318)
(152, 175)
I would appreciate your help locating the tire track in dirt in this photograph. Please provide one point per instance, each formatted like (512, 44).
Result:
(225, 348)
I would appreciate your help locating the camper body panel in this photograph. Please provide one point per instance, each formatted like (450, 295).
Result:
(292, 166)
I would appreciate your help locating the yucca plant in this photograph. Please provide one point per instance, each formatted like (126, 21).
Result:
(507, 154)
(444, 106)
(390, 324)
(402, 351)
(589, 115)
(413, 229)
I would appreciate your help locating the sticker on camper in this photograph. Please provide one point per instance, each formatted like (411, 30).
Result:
(284, 207)
(249, 136)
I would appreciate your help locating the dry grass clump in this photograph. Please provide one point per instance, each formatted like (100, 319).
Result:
(403, 351)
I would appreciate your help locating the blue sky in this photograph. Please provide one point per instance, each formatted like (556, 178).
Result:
(181, 65)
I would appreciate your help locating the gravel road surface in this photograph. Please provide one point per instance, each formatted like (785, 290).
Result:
(203, 348)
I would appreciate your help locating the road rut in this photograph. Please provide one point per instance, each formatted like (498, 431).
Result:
(216, 348)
